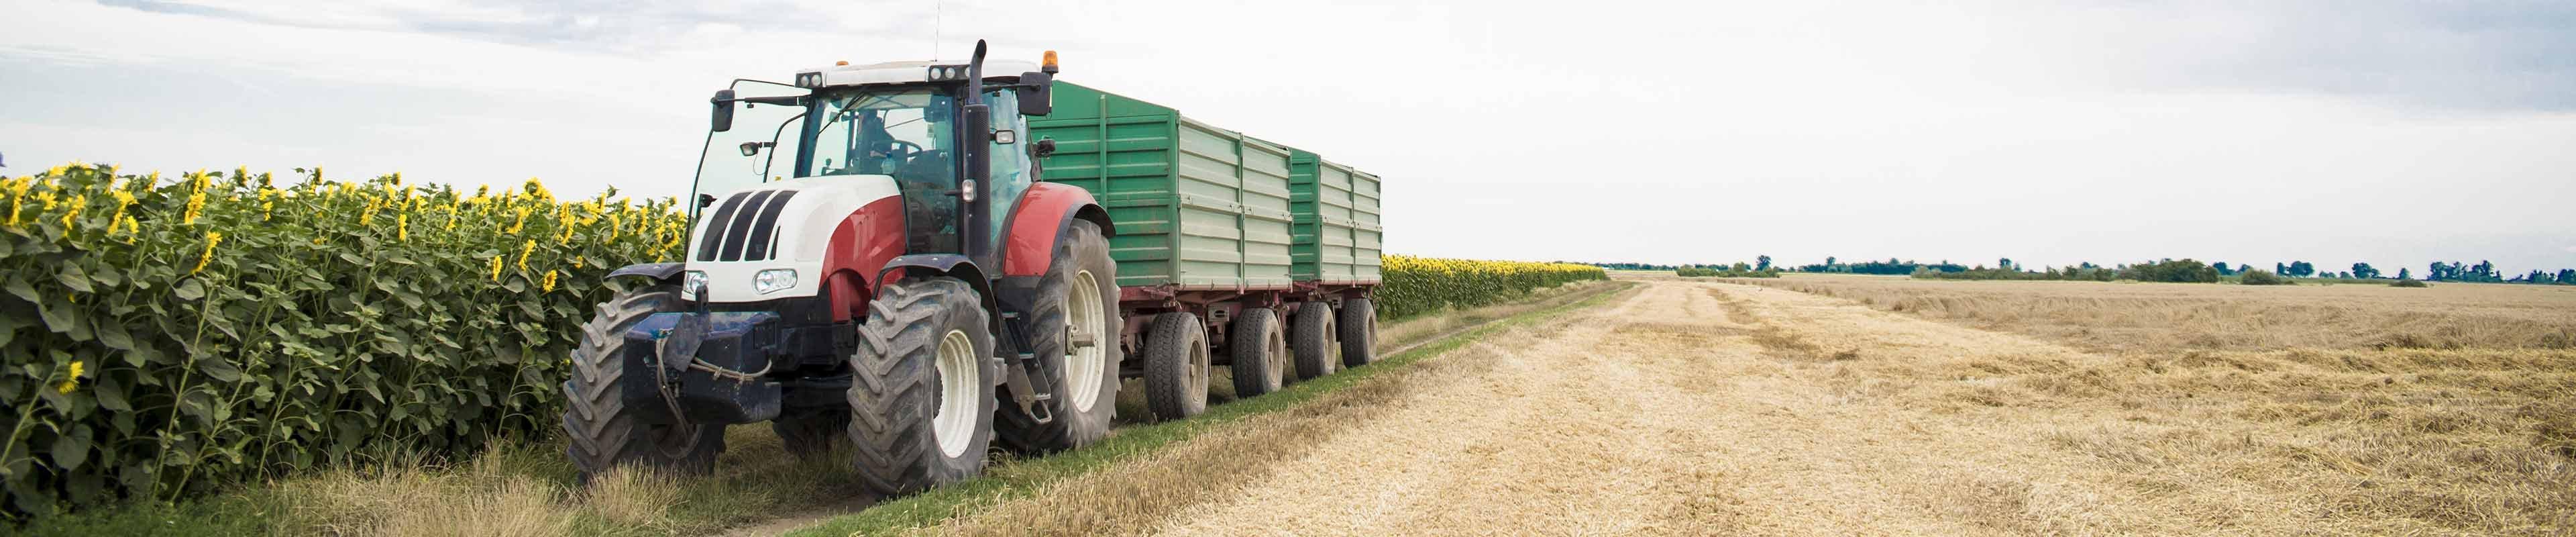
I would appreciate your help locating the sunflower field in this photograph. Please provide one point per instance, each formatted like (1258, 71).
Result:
(162, 336)
(1418, 285)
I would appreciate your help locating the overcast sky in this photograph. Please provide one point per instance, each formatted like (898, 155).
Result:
(2329, 132)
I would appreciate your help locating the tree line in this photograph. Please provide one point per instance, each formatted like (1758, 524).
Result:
(2161, 270)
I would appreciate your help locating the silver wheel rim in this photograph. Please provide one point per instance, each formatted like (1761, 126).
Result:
(1277, 356)
(1199, 372)
(954, 423)
(1085, 328)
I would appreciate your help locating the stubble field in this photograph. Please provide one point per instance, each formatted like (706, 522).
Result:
(1854, 405)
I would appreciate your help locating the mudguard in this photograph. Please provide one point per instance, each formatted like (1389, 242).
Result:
(1039, 219)
(656, 271)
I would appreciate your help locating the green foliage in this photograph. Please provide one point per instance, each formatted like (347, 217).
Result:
(2170, 270)
(158, 339)
(2409, 283)
(2262, 277)
(1418, 285)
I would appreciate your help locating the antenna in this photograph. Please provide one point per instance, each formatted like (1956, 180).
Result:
(938, 24)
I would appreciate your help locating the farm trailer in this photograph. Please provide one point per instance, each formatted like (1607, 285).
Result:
(919, 260)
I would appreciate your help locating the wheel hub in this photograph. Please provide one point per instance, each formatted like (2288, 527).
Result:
(954, 423)
(1085, 327)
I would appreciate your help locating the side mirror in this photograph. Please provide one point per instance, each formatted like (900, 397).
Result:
(724, 110)
(1037, 93)
(1044, 147)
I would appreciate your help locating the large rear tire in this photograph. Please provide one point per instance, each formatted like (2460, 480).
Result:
(921, 398)
(1074, 334)
(605, 433)
(1312, 337)
(1176, 366)
(1260, 353)
(1359, 332)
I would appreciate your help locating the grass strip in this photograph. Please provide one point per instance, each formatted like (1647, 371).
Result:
(1019, 477)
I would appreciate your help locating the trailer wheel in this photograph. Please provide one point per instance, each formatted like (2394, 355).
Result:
(1176, 366)
(809, 432)
(1312, 336)
(1073, 332)
(604, 432)
(921, 398)
(1359, 332)
(1260, 353)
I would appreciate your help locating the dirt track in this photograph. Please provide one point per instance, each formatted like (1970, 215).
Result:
(1686, 408)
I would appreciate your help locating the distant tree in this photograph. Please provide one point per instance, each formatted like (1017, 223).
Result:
(2278, 268)
(2223, 270)
(1829, 261)
(2537, 276)
(2004, 264)
(2257, 277)
(1741, 267)
(2170, 270)
(1764, 264)
(2402, 275)
(2567, 276)
(2301, 269)
(2363, 270)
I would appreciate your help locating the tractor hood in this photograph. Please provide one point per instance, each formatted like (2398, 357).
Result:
(777, 225)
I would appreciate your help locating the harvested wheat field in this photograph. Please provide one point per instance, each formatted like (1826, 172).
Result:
(1704, 408)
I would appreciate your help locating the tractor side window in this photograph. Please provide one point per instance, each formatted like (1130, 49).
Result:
(1010, 162)
(760, 147)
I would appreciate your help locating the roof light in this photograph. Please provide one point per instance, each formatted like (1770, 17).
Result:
(1048, 66)
(842, 63)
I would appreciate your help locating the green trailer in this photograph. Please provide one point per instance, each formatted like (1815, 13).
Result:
(1198, 207)
(1336, 232)
(1244, 242)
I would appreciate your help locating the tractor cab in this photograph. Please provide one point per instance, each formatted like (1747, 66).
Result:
(915, 124)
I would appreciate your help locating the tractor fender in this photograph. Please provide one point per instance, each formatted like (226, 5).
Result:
(659, 272)
(1038, 221)
(860, 247)
(950, 265)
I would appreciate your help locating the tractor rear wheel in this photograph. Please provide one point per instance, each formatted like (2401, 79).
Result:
(604, 432)
(1074, 328)
(1260, 352)
(921, 396)
(1176, 366)
(1359, 332)
(1311, 336)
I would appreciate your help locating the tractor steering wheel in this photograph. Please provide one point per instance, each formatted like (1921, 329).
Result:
(901, 149)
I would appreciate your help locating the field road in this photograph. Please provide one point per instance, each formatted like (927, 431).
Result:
(1703, 408)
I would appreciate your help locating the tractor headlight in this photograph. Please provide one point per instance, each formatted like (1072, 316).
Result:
(773, 280)
(693, 285)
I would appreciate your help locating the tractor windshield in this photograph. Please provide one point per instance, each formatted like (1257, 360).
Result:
(902, 132)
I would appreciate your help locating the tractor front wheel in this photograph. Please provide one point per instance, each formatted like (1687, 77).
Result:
(921, 398)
